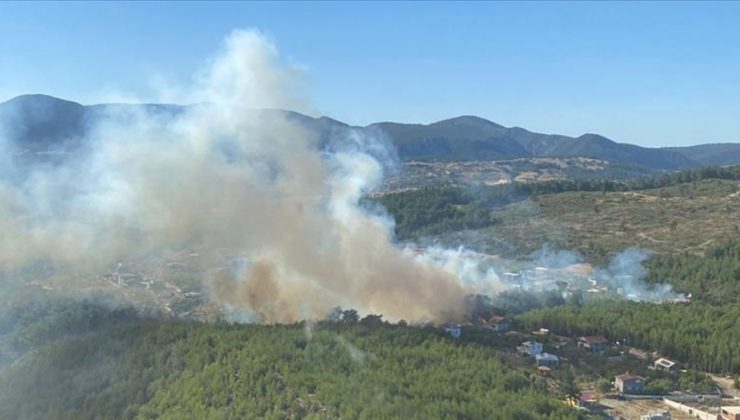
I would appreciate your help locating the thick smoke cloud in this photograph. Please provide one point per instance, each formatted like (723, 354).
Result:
(228, 178)
(272, 212)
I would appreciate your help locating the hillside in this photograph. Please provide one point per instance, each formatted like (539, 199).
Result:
(39, 124)
(596, 218)
(474, 138)
(710, 154)
(149, 369)
(687, 222)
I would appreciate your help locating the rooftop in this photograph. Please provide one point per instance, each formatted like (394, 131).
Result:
(594, 339)
(547, 356)
(627, 377)
(665, 363)
(588, 396)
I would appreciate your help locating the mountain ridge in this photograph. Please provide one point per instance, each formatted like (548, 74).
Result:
(40, 122)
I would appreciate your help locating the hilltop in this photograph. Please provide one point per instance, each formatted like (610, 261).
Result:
(41, 123)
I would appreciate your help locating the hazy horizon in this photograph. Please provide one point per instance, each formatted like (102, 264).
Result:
(653, 74)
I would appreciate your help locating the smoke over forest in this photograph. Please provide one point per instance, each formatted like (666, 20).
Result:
(272, 212)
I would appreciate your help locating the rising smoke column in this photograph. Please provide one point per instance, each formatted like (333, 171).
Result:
(228, 177)
(235, 180)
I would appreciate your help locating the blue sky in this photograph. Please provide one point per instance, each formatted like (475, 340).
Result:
(646, 73)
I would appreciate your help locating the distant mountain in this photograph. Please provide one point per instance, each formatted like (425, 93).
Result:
(711, 153)
(40, 123)
(461, 138)
(474, 138)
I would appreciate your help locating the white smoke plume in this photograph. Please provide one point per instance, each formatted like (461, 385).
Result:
(272, 214)
(228, 178)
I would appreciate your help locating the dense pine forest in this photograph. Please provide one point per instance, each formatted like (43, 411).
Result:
(714, 278)
(147, 369)
(703, 336)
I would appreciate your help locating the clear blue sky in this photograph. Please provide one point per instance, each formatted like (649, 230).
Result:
(645, 73)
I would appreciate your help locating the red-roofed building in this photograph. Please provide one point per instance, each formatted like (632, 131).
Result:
(585, 399)
(588, 398)
(593, 343)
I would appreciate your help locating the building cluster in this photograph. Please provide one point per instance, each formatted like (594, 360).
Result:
(626, 384)
(496, 324)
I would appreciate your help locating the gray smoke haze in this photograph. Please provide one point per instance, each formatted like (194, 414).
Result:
(232, 179)
(228, 177)
(550, 269)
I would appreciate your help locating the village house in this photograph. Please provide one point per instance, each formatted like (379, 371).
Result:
(666, 365)
(585, 399)
(546, 359)
(531, 348)
(593, 343)
(588, 398)
(629, 384)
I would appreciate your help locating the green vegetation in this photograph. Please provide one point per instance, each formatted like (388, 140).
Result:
(713, 279)
(583, 370)
(31, 319)
(688, 219)
(704, 333)
(435, 210)
(62, 358)
(685, 212)
(166, 369)
(703, 336)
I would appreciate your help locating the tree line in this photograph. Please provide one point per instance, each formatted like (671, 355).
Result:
(714, 278)
(703, 336)
(347, 368)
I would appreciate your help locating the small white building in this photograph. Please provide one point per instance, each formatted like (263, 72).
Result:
(665, 364)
